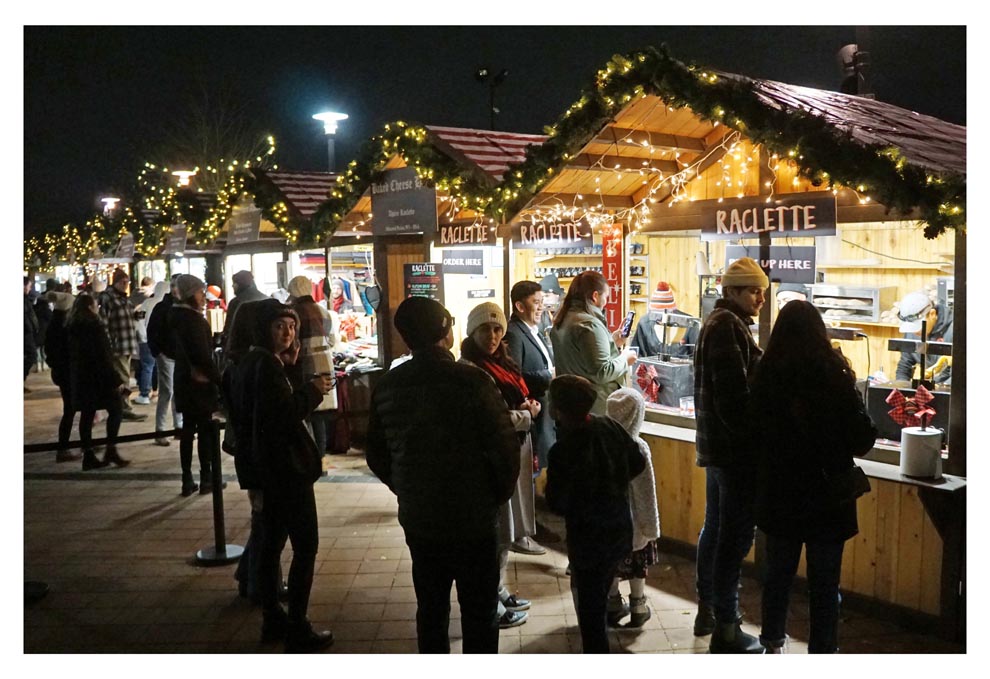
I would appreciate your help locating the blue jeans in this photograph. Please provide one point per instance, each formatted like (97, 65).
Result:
(824, 566)
(725, 538)
(147, 362)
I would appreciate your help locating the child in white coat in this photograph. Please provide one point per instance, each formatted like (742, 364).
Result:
(627, 407)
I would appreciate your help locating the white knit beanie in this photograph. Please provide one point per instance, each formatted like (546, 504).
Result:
(627, 407)
(187, 284)
(486, 312)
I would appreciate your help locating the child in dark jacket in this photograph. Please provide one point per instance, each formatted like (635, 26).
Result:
(588, 474)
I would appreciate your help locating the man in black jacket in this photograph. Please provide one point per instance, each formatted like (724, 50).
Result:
(724, 361)
(440, 438)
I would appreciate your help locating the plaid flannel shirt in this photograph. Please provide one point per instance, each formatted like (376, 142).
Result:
(118, 314)
(724, 360)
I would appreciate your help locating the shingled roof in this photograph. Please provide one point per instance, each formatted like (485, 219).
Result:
(302, 191)
(923, 140)
(490, 150)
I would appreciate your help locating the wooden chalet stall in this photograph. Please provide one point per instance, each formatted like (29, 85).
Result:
(678, 165)
(422, 191)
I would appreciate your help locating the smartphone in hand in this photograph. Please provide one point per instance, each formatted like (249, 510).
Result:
(626, 326)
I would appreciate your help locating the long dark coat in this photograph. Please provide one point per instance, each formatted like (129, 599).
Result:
(197, 379)
(94, 381)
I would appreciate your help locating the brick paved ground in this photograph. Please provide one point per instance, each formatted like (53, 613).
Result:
(116, 547)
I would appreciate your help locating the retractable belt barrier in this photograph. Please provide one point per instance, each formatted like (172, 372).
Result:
(220, 552)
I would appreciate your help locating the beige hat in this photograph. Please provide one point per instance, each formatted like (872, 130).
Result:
(486, 312)
(745, 273)
(300, 286)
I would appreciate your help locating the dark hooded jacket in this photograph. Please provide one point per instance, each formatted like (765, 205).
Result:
(274, 448)
(197, 379)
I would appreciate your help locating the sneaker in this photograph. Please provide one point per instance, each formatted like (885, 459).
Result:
(512, 619)
(514, 603)
(142, 400)
(162, 442)
(527, 546)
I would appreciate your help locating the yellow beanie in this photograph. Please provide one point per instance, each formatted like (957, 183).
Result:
(745, 273)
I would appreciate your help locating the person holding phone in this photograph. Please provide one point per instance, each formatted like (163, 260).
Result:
(269, 415)
(582, 343)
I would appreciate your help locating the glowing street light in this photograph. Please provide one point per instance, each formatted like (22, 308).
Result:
(184, 176)
(109, 203)
(330, 120)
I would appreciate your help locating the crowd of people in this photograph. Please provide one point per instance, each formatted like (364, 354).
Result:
(461, 443)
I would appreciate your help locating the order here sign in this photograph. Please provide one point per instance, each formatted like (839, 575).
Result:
(796, 215)
(786, 264)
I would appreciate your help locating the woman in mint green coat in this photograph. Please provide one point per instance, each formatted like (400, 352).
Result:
(582, 343)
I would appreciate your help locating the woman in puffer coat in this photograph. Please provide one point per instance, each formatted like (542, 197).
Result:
(317, 335)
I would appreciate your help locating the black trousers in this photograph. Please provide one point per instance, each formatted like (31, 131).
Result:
(592, 585)
(114, 414)
(197, 423)
(289, 513)
(68, 414)
(473, 567)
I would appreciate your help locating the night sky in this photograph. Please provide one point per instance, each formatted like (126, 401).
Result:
(96, 99)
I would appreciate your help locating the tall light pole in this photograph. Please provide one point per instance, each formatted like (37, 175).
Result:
(330, 120)
(485, 75)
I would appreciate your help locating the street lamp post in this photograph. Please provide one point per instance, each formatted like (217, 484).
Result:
(109, 203)
(330, 120)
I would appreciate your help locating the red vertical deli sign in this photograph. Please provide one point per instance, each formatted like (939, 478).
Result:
(613, 245)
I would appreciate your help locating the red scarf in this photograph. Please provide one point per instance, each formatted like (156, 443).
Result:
(510, 383)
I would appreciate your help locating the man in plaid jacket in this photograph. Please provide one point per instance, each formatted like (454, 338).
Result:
(724, 360)
(118, 314)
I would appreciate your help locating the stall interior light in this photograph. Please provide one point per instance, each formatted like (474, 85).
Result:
(330, 120)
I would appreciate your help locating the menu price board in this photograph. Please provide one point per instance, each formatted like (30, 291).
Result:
(424, 280)
(401, 203)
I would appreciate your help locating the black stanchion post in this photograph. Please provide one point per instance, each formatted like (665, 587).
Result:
(220, 553)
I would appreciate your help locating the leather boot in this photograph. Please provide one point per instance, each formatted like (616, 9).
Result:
(90, 461)
(639, 611)
(206, 482)
(188, 485)
(728, 637)
(704, 621)
(617, 609)
(111, 455)
(67, 456)
(302, 638)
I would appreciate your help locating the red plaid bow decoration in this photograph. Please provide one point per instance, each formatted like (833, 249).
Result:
(646, 378)
(911, 412)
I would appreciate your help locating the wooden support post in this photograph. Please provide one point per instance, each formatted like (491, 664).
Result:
(956, 463)
(506, 274)
(384, 311)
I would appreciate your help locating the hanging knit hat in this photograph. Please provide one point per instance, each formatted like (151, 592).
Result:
(662, 298)
(486, 312)
(745, 273)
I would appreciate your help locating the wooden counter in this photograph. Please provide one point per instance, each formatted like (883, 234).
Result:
(910, 548)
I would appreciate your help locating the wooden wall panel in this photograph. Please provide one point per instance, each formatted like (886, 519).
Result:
(896, 557)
